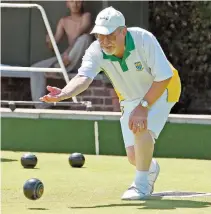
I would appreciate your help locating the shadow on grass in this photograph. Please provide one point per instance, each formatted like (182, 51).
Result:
(7, 160)
(78, 168)
(155, 203)
(38, 209)
(30, 168)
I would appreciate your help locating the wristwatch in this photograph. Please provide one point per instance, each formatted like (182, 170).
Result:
(144, 104)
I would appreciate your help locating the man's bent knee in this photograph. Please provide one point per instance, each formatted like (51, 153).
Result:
(144, 136)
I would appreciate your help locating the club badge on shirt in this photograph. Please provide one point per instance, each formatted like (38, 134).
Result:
(139, 66)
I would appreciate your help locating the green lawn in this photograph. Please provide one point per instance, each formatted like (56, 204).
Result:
(97, 187)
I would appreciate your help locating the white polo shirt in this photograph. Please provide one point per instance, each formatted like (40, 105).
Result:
(143, 62)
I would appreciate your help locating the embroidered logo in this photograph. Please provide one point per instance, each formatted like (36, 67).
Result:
(139, 66)
(104, 17)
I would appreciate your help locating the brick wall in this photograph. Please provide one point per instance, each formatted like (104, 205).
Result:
(100, 93)
(15, 89)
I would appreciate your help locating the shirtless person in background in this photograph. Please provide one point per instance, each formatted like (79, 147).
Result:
(76, 27)
(73, 26)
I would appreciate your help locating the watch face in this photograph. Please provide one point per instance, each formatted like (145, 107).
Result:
(144, 104)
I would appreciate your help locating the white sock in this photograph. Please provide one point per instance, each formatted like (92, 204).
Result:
(141, 181)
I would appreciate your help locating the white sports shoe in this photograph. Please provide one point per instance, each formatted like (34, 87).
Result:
(152, 177)
(133, 193)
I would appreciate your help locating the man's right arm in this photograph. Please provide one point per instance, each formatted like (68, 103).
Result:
(86, 73)
(77, 85)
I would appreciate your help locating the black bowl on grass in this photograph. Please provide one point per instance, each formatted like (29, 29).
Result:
(76, 160)
(33, 189)
(29, 160)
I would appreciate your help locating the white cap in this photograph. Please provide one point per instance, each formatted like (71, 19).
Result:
(108, 20)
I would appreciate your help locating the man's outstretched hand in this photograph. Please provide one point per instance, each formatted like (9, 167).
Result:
(55, 95)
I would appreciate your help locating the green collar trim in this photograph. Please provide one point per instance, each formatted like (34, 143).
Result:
(129, 46)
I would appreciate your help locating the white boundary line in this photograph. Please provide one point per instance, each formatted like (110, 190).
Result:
(162, 195)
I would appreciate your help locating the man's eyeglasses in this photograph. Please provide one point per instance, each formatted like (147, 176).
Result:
(110, 37)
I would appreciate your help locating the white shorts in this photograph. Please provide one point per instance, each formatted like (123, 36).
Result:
(157, 117)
